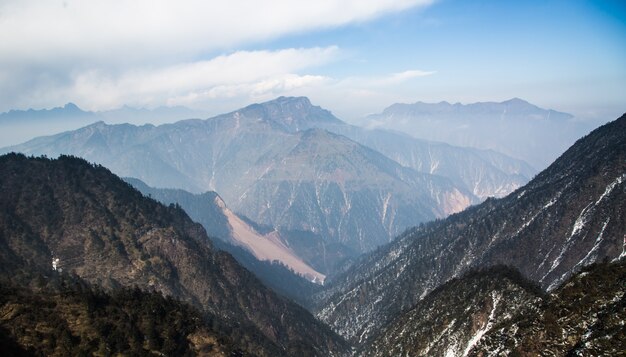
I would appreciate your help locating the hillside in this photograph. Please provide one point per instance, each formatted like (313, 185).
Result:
(276, 270)
(65, 317)
(497, 312)
(571, 215)
(72, 216)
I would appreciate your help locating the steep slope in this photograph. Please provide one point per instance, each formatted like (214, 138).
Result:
(335, 187)
(513, 127)
(451, 320)
(583, 317)
(258, 161)
(569, 216)
(484, 173)
(495, 312)
(220, 222)
(68, 215)
(69, 318)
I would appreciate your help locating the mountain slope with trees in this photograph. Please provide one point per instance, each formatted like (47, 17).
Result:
(571, 215)
(497, 312)
(69, 215)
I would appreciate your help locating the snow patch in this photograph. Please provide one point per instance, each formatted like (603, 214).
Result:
(532, 219)
(495, 298)
(596, 245)
(55, 263)
(623, 254)
(610, 187)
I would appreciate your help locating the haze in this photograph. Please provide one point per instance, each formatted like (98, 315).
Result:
(354, 58)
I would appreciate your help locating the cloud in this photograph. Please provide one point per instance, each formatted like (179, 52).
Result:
(259, 90)
(354, 97)
(246, 74)
(121, 31)
(396, 78)
(105, 53)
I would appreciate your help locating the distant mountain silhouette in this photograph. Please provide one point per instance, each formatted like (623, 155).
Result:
(513, 127)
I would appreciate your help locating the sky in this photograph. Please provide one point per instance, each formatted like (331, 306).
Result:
(353, 57)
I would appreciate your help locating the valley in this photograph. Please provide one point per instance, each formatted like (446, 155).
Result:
(306, 260)
(371, 178)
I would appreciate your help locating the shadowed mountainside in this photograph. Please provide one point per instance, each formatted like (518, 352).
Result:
(69, 215)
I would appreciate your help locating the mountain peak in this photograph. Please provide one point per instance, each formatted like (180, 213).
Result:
(71, 107)
(297, 101)
(290, 113)
(516, 100)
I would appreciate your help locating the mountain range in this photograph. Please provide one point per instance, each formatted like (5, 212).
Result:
(513, 127)
(17, 126)
(569, 216)
(88, 264)
(278, 164)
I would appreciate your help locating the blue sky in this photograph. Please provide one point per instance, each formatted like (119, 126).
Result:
(352, 57)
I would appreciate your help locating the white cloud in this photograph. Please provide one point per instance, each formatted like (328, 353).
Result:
(389, 80)
(255, 91)
(247, 74)
(122, 31)
(105, 53)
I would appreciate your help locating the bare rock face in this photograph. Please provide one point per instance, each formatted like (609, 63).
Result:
(571, 215)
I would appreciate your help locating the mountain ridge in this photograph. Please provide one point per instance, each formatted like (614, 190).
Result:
(569, 216)
(254, 168)
(71, 215)
(514, 127)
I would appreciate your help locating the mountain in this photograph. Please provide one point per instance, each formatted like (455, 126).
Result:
(267, 170)
(71, 216)
(17, 126)
(262, 250)
(484, 173)
(297, 250)
(571, 215)
(513, 127)
(497, 312)
(452, 319)
(276, 164)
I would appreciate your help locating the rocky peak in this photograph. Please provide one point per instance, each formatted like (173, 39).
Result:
(290, 113)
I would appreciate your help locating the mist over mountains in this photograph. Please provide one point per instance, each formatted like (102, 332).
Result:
(513, 127)
(17, 126)
(278, 164)
(491, 263)
(569, 216)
